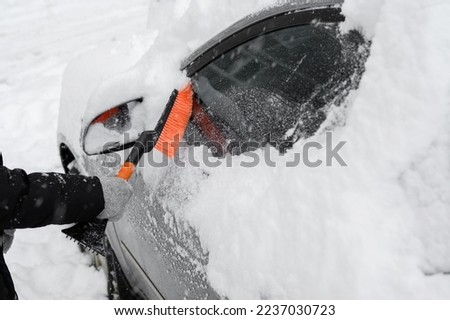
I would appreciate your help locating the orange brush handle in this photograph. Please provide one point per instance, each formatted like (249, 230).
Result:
(126, 171)
(143, 144)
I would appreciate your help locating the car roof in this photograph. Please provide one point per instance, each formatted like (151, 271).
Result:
(277, 9)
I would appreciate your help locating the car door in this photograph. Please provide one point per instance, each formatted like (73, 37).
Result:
(155, 243)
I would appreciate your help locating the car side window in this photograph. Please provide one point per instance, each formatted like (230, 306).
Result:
(277, 83)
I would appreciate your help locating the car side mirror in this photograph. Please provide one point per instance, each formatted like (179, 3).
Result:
(115, 129)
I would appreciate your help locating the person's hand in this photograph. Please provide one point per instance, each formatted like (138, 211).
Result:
(8, 237)
(116, 192)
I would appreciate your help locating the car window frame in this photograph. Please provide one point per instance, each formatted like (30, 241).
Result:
(259, 28)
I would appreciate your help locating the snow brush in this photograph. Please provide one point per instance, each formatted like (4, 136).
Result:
(165, 138)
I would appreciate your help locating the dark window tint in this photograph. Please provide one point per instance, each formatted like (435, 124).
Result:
(275, 88)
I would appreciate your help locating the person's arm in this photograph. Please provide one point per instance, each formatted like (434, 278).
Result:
(40, 199)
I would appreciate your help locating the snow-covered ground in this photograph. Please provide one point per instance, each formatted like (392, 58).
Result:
(37, 39)
(378, 228)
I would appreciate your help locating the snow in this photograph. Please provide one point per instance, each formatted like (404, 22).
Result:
(37, 40)
(378, 228)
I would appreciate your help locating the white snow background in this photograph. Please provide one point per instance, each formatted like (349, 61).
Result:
(37, 39)
(379, 228)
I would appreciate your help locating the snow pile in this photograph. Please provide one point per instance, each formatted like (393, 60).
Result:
(45, 265)
(375, 229)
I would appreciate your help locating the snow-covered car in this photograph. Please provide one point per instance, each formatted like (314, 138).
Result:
(270, 78)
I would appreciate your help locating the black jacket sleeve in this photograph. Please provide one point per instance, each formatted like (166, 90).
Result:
(40, 199)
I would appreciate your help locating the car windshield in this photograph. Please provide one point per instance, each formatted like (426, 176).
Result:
(275, 88)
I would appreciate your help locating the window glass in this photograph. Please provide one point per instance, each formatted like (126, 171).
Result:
(275, 88)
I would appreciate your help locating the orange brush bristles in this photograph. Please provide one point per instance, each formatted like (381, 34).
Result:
(176, 123)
